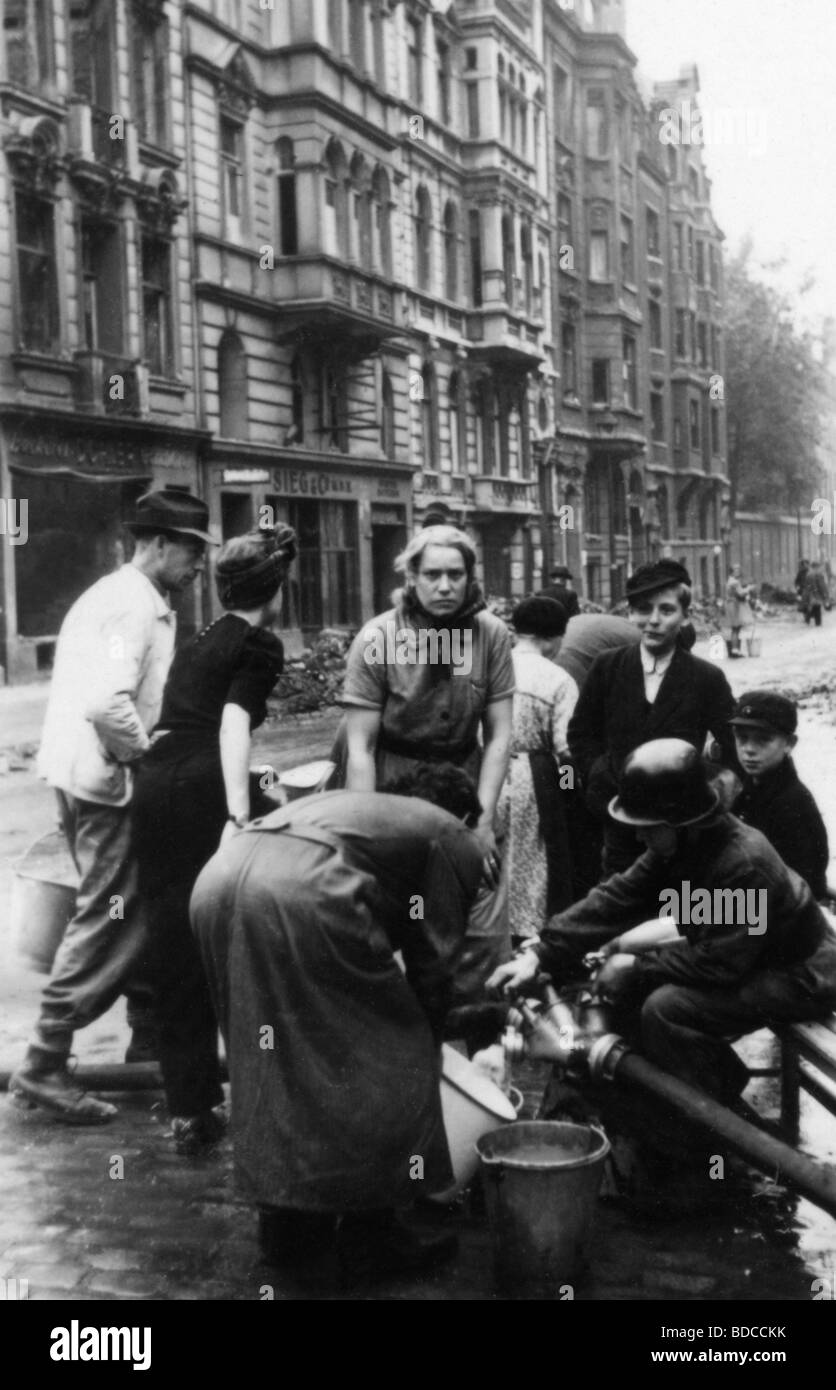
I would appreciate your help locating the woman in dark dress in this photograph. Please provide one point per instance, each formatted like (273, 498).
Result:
(194, 791)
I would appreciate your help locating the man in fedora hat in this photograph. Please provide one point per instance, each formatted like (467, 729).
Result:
(654, 690)
(745, 944)
(111, 661)
(561, 588)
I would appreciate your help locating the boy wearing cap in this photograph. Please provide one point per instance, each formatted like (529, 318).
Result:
(111, 661)
(774, 799)
(654, 690)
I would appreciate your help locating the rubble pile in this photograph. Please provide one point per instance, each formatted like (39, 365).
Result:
(314, 679)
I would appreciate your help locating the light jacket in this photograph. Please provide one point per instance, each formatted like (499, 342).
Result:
(111, 661)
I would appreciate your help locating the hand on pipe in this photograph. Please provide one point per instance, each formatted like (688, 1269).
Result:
(510, 977)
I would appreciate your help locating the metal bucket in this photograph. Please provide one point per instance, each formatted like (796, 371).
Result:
(541, 1183)
(753, 646)
(43, 900)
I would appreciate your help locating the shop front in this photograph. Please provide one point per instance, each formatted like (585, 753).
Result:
(350, 524)
(74, 486)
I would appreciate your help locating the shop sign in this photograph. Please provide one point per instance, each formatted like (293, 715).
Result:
(298, 482)
(246, 475)
(78, 452)
(389, 487)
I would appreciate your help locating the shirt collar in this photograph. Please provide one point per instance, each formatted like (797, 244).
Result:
(657, 664)
(162, 608)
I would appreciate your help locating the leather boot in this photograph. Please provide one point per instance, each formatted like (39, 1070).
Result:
(373, 1245)
(44, 1079)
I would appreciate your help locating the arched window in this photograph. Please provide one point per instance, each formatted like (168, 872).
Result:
(296, 433)
(286, 197)
(527, 267)
(381, 226)
(451, 252)
(457, 422)
(232, 387)
(387, 416)
(509, 260)
(423, 259)
(429, 416)
(474, 229)
(336, 210)
(361, 239)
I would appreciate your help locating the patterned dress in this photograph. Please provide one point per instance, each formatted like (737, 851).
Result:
(543, 703)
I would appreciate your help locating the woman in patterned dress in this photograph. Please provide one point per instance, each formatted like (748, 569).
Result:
(532, 810)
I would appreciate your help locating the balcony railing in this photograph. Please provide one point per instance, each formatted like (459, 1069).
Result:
(504, 494)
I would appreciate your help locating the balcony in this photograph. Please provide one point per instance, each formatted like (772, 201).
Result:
(505, 495)
(110, 385)
(324, 299)
(96, 136)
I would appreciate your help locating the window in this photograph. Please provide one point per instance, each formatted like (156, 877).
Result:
(680, 348)
(232, 176)
(91, 62)
(443, 56)
(415, 65)
(702, 344)
(654, 243)
(474, 222)
(600, 381)
(429, 416)
(387, 416)
(423, 261)
(451, 252)
(564, 220)
(692, 325)
(499, 432)
(694, 423)
(472, 99)
(713, 266)
(569, 359)
(673, 164)
(599, 255)
(27, 29)
(657, 415)
(335, 26)
(654, 323)
(562, 105)
(381, 233)
(597, 125)
(232, 387)
(456, 422)
(322, 585)
(691, 250)
(36, 275)
(296, 433)
(286, 198)
(336, 200)
(357, 34)
(149, 74)
(158, 339)
(471, 58)
(677, 433)
(700, 262)
(715, 347)
(628, 269)
(509, 263)
(715, 430)
(102, 286)
(361, 239)
(694, 183)
(593, 499)
(677, 246)
(334, 413)
(628, 344)
(503, 115)
(527, 267)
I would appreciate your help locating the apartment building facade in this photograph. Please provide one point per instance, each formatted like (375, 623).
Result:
(97, 392)
(345, 263)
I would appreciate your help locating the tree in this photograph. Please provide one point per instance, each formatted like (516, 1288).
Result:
(774, 393)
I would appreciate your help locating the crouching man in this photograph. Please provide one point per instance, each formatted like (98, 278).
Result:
(748, 945)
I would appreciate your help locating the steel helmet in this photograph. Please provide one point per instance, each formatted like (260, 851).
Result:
(663, 783)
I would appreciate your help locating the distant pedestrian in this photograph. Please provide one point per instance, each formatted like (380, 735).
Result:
(738, 612)
(801, 575)
(112, 658)
(561, 587)
(815, 594)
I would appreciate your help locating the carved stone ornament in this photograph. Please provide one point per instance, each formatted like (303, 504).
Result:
(158, 200)
(34, 153)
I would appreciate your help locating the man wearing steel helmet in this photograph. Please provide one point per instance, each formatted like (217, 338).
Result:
(715, 973)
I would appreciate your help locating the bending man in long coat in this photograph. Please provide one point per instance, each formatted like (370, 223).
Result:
(333, 1050)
